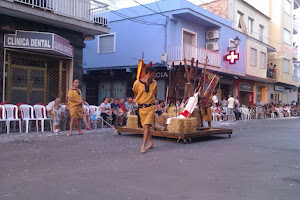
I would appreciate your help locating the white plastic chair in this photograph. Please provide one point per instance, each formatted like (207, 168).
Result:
(273, 115)
(94, 110)
(245, 114)
(281, 115)
(40, 115)
(27, 115)
(2, 116)
(11, 114)
(214, 117)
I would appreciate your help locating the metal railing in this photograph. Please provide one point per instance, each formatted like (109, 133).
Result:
(91, 11)
(185, 51)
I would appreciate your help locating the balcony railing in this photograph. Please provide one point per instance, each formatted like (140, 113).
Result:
(91, 11)
(186, 51)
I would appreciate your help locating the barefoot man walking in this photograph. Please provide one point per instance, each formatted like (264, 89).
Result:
(145, 91)
(75, 107)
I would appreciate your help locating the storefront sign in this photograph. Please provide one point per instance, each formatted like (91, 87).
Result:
(246, 87)
(279, 88)
(38, 40)
(162, 75)
(226, 81)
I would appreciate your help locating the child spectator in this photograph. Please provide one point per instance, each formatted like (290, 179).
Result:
(57, 117)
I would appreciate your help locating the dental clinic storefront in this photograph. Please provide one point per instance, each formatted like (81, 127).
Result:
(37, 67)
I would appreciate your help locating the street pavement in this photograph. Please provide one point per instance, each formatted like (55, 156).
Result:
(261, 161)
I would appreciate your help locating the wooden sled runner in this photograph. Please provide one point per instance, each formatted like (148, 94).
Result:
(185, 137)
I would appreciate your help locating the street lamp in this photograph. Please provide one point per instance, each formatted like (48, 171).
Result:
(237, 42)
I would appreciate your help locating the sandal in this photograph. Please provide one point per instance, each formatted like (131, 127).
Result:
(143, 151)
(82, 133)
(69, 134)
(149, 147)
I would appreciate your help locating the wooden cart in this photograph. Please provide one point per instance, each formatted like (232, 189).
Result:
(185, 137)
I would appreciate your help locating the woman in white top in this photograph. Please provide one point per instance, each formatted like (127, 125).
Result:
(105, 109)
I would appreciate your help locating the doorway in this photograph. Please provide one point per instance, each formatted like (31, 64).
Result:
(35, 79)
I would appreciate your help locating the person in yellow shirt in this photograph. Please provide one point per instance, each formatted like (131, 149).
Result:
(75, 102)
(145, 91)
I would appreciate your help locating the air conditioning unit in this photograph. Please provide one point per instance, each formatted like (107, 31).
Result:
(210, 35)
(213, 46)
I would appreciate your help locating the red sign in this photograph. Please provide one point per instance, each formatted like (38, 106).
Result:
(232, 57)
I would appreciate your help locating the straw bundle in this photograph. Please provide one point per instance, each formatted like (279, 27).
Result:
(132, 121)
(193, 124)
(187, 125)
(175, 125)
(197, 116)
(169, 115)
(172, 110)
(161, 120)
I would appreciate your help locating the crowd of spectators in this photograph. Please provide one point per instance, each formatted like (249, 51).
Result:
(115, 111)
(231, 109)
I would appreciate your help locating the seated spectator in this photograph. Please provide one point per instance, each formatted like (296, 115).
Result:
(160, 108)
(215, 110)
(266, 111)
(129, 106)
(287, 111)
(111, 100)
(222, 112)
(57, 116)
(50, 106)
(237, 112)
(106, 111)
(86, 117)
(122, 113)
(85, 103)
(115, 106)
(253, 111)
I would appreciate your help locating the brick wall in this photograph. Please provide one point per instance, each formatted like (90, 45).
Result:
(218, 7)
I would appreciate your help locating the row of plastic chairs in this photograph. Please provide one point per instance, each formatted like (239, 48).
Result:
(95, 115)
(9, 113)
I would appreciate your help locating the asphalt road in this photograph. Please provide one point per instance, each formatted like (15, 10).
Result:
(260, 162)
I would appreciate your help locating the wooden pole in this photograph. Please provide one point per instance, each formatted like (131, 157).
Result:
(195, 75)
(188, 78)
(202, 93)
(204, 76)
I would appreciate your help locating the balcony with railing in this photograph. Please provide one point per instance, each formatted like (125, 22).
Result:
(85, 10)
(186, 51)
